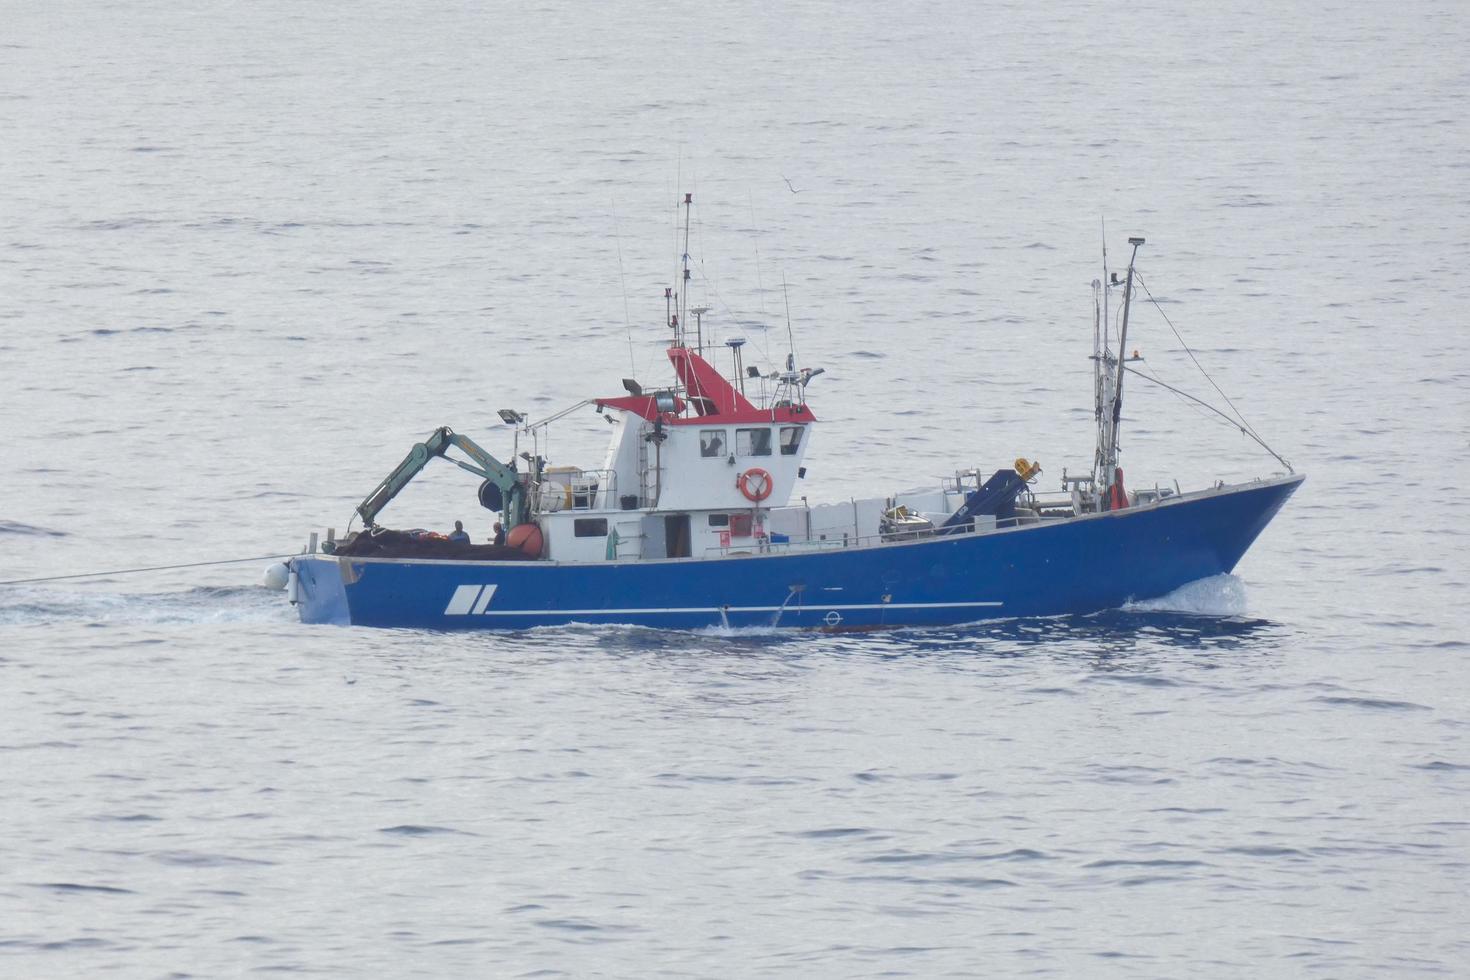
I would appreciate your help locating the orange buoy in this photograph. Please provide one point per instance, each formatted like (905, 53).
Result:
(525, 538)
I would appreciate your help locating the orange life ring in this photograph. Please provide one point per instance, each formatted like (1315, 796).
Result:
(756, 484)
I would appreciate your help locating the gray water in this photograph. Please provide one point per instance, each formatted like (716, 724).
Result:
(249, 253)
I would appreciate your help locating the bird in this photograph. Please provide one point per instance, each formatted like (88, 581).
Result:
(788, 184)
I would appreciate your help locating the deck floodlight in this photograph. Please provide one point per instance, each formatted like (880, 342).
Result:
(633, 388)
(510, 416)
(1135, 241)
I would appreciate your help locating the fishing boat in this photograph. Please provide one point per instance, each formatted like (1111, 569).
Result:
(688, 521)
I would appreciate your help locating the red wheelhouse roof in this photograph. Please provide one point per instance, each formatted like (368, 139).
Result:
(713, 399)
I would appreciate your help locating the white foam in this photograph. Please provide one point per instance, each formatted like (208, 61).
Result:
(1218, 595)
(736, 632)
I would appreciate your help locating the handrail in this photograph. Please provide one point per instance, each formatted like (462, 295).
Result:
(765, 545)
(604, 481)
(1032, 518)
(543, 423)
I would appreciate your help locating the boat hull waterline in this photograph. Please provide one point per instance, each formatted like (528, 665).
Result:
(1076, 565)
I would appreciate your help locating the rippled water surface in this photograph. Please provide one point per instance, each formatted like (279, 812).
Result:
(250, 253)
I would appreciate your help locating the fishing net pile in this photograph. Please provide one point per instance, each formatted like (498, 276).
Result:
(418, 543)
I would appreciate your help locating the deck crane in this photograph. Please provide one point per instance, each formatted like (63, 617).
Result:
(503, 489)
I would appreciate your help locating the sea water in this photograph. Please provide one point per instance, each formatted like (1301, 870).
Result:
(250, 253)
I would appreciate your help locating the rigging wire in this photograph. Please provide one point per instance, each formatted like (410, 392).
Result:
(748, 321)
(1194, 407)
(714, 296)
(1244, 430)
(786, 295)
(678, 185)
(738, 317)
(699, 264)
(1243, 425)
(756, 241)
(627, 315)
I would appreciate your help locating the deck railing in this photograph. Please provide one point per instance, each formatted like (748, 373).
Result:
(584, 490)
(765, 545)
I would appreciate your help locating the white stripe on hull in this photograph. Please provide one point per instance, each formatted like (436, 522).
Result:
(464, 597)
(671, 610)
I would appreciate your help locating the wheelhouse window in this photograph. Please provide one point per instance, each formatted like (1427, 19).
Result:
(752, 442)
(711, 442)
(590, 527)
(719, 520)
(790, 439)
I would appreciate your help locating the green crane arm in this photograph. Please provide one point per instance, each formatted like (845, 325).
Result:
(437, 444)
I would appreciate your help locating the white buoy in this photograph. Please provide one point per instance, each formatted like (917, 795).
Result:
(276, 577)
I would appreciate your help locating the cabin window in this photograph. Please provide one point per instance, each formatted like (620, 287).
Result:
(753, 442)
(711, 442)
(590, 527)
(790, 439)
(719, 520)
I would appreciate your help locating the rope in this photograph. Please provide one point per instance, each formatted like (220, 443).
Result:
(134, 571)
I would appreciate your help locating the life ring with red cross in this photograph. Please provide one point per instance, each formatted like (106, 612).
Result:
(756, 484)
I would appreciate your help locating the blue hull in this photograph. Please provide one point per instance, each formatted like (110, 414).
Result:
(1085, 564)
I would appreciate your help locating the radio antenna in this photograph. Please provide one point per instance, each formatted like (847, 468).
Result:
(786, 295)
(627, 315)
(760, 287)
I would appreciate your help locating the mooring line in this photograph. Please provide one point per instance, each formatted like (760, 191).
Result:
(150, 568)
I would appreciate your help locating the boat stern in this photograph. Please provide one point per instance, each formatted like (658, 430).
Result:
(318, 589)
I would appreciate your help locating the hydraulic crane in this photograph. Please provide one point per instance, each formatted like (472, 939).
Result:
(503, 489)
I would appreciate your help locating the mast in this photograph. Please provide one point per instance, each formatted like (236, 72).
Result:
(1112, 402)
(681, 302)
(1123, 336)
(1098, 304)
(1102, 369)
(1108, 281)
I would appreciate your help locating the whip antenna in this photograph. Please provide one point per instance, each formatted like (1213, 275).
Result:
(627, 316)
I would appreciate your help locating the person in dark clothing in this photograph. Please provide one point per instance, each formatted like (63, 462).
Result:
(458, 535)
(499, 534)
